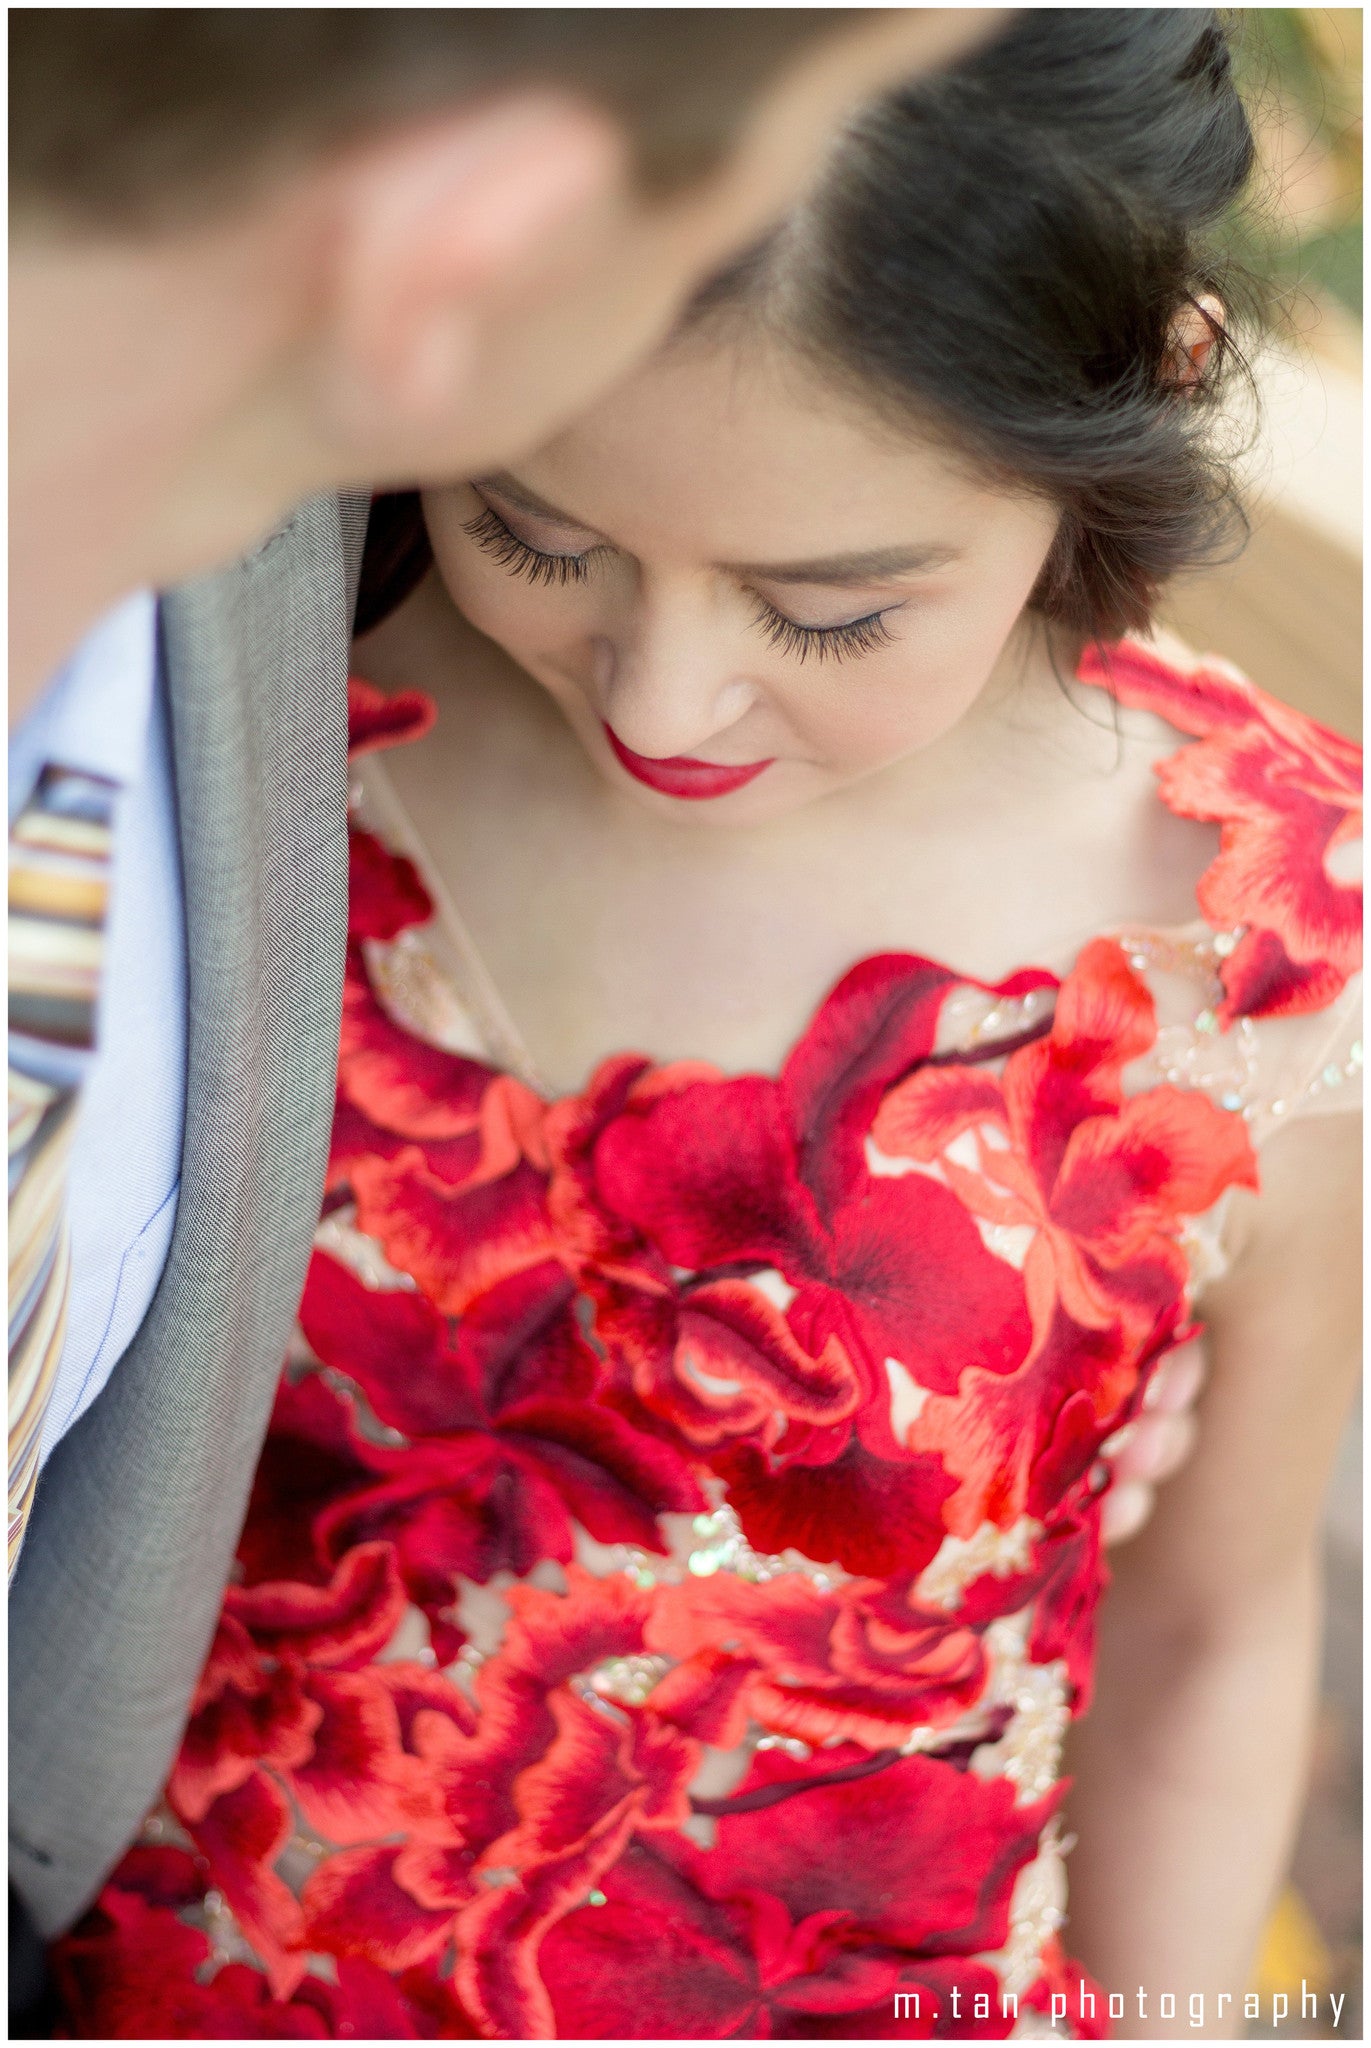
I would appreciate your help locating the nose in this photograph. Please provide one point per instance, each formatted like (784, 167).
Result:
(670, 682)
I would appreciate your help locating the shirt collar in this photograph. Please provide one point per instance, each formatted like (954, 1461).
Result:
(94, 714)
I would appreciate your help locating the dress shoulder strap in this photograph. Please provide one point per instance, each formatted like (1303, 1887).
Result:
(447, 938)
(1312, 1065)
(1285, 791)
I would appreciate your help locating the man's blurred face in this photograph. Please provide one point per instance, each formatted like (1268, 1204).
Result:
(435, 302)
(613, 287)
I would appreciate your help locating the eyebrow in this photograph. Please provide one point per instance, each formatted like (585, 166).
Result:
(527, 500)
(868, 566)
(862, 566)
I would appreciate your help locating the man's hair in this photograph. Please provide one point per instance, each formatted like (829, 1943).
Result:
(128, 117)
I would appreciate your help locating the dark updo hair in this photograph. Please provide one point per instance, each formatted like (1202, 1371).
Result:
(997, 255)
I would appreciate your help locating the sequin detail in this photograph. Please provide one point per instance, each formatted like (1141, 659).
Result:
(961, 1560)
(1029, 1751)
(677, 1310)
(722, 1547)
(1037, 1911)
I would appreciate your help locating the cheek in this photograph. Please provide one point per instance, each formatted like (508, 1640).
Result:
(908, 696)
(526, 619)
(871, 721)
(497, 605)
(493, 600)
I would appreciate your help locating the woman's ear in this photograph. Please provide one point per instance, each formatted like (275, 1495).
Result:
(1194, 331)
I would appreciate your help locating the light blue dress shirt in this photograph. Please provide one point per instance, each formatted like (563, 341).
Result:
(106, 713)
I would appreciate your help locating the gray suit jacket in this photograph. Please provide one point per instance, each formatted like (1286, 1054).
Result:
(139, 1508)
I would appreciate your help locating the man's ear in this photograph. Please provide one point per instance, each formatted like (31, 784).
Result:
(1194, 331)
(436, 222)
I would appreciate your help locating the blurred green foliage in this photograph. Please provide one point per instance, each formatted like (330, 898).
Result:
(1300, 71)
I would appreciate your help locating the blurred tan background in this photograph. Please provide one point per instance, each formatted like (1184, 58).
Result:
(1289, 612)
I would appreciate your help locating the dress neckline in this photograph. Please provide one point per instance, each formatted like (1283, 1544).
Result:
(1210, 708)
(499, 1032)
(477, 985)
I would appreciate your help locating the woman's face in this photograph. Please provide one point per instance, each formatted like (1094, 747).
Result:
(743, 594)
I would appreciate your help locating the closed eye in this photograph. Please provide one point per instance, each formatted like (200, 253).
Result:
(535, 565)
(543, 567)
(824, 643)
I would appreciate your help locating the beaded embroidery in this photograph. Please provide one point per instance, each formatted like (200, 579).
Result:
(527, 1644)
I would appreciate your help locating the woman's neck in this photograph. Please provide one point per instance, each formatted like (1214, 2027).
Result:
(1032, 731)
(1026, 830)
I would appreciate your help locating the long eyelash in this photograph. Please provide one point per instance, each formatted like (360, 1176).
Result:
(489, 531)
(825, 643)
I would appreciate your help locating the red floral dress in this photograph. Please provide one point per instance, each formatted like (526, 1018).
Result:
(674, 1558)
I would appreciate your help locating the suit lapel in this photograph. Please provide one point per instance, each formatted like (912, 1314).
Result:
(139, 1508)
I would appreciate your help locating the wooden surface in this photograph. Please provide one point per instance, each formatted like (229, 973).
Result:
(1289, 610)
(1289, 613)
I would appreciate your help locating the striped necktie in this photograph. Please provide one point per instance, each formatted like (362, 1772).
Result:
(58, 898)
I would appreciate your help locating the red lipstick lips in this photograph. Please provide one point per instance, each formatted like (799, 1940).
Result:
(682, 777)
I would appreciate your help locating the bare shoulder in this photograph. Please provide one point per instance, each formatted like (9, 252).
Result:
(1146, 733)
(1152, 857)
(1179, 653)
